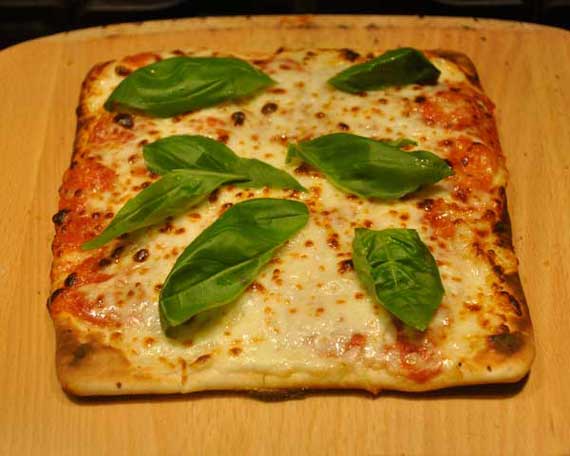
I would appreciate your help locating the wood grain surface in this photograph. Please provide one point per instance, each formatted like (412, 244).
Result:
(524, 68)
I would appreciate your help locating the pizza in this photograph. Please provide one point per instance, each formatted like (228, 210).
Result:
(307, 219)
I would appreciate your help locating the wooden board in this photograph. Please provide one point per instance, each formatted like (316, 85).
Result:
(524, 69)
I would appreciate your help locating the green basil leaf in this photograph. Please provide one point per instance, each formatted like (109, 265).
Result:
(400, 272)
(173, 194)
(181, 84)
(261, 174)
(189, 152)
(218, 266)
(370, 168)
(201, 152)
(393, 68)
(400, 143)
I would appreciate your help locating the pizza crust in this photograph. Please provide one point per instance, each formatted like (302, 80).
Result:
(89, 362)
(86, 366)
(463, 62)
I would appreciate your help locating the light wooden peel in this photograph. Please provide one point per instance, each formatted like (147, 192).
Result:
(523, 70)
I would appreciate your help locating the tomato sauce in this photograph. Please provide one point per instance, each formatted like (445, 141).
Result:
(76, 230)
(474, 165)
(106, 130)
(83, 177)
(440, 216)
(90, 271)
(77, 227)
(76, 303)
(418, 360)
(426, 369)
(461, 108)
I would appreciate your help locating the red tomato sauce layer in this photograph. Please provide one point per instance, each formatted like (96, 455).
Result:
(440, 215)
(474, 165)
(106, 130)
(76, 230)
(83, 177)
(76, 227)
(461, 108)
(76, 303)
(417, 358)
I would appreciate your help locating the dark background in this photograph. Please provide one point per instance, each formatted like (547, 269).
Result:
(25, 19)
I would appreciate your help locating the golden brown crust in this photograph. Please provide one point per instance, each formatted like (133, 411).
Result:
(512, 280)
(83, 357)
(88, 366)
(514, 344)
(82, 112)
(464, 63)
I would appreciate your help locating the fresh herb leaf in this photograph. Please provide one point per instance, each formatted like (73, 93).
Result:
(393, 68)
(173, 194)
(200, 152)
(181, 84)
(261, 174)
(218, 266)
(370, 168)
(400, 143)
(399, 271)
(189, 152)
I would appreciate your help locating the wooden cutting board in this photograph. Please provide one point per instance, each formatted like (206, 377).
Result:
(526, 71)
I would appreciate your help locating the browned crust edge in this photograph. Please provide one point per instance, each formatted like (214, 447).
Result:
(520, 342)
(503, 228)
(86, 365)
(83, 115)
(463, 62)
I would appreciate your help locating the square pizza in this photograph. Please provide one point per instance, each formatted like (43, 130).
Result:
(308, 219)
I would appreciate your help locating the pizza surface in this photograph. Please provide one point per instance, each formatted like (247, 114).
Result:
(306, 321)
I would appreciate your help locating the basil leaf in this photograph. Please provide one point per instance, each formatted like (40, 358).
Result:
(370, 168)
(189, 152)
(173, 194)
(201, 152)
(393, 68)
(399, 271)
(400, 143)
(261, 174)
(218, 266)
(181, 84)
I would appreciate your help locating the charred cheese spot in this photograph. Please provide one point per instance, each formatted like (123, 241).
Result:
(141, 255)
(345, 266)
(149, 341)
(349, 55)
(238, 118)
(507, 343)
(235, 351)
(256, 286)
(59, 216)
(269, 108)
